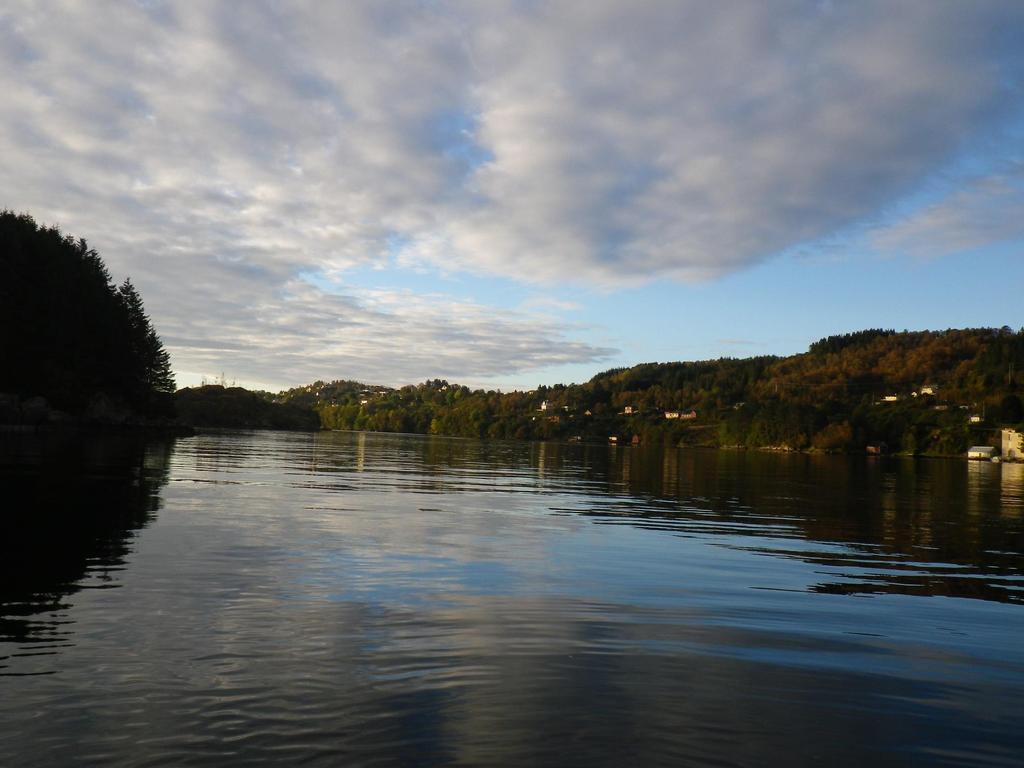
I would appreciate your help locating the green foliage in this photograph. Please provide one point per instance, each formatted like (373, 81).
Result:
(1011, 410)
(237, 408)
(68, 334)
(834, 344)
(830, 398)
(837, 436)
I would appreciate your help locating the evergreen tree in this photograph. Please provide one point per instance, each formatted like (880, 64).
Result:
(67, 334)
(151, 363)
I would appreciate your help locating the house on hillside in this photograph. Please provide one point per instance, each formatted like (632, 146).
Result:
(929, 389)
(975, 418)
(629, 410)
(981, 452)
(544, 405)
(672, 414)
(688, 415)
(1013, 444)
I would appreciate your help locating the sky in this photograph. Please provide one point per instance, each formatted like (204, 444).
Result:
(507, 194)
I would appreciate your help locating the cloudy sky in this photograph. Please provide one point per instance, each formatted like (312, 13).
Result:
(513, 193)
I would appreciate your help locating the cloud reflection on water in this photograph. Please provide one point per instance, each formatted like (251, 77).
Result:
(399, 599)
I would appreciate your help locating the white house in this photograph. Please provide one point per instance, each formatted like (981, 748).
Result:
(1013, 444)
(975, 419)
(544, 405)
(671, 414)
(981, 452)
(929, 389)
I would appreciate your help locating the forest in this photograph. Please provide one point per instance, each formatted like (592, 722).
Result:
(919, 392)
(73, 346)
(76, 347)
(221, 407)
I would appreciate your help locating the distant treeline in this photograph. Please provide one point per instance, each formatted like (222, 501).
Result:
(914, 392)
(72, 344)
(236, 408)
(75, 346)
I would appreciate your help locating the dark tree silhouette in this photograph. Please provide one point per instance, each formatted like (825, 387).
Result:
(149, 377)
(68, 335)
(1011, 410)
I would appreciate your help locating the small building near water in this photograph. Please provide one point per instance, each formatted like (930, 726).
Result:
(981, 452)
(1013, 444)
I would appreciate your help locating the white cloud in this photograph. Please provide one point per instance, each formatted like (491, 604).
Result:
(550, 304)
(986, 211)
(216, 151)
(304, 333)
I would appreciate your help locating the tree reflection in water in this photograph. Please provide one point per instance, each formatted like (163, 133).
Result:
(72, 504)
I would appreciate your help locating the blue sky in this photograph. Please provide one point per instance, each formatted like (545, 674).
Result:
(506, 194)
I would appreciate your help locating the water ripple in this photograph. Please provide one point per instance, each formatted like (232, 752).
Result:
(342, 598)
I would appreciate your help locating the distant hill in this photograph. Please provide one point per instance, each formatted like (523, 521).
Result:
(913, 391)
(237, 408)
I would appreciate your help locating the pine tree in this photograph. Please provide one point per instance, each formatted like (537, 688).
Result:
(68, 335)
(150, 366)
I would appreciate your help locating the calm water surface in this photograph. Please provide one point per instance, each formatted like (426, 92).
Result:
(362, 599)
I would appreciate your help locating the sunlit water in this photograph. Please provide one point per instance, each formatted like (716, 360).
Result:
(363, 599)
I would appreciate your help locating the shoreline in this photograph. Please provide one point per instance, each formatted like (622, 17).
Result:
(69, 427)
(703, 447)
(98, 428)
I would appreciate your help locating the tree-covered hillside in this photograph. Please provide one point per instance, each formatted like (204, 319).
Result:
(69, 336)
(912, 391)
(236, 408)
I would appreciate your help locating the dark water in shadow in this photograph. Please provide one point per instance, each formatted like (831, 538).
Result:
(70, 510)
(347, 599)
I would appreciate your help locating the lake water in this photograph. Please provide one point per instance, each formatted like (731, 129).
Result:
(366, 599)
